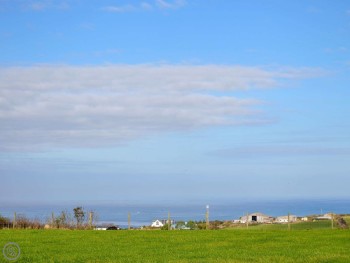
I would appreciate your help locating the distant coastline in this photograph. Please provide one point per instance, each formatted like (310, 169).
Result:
(143, 214)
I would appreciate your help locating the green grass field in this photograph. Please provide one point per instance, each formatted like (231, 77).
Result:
(323, 224)
(239, 245)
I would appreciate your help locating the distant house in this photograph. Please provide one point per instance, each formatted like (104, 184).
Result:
(256, 218)
(327, 216)
(284, 219)
(100, 228)
(305, 218)
(157, 223)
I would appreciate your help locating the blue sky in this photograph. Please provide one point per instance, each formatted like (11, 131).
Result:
(174, 100)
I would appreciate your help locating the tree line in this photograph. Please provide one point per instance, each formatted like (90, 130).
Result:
(78, 219)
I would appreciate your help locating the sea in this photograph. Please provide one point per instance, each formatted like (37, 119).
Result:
(142, 214)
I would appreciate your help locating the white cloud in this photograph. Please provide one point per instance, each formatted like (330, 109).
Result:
(120, 9)
(41, 5)
(53, 106)
(146, 6)
(170, 4)
(37, 6)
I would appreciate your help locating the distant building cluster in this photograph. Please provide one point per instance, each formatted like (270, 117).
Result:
(252, 218)
(266, 219)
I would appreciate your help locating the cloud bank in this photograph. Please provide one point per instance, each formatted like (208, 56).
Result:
(84, 106)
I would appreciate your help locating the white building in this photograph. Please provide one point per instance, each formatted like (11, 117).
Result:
(327, 216)
(256, 218)
(157, 223)
(284, 219)
(100, 228)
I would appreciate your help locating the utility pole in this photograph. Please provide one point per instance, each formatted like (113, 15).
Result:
(90, 219)
(169, 222)
(52, 220)
(247, 220)
(14, 220)
(332, 220)
(288, 221)
(207, 218)
(129, 221)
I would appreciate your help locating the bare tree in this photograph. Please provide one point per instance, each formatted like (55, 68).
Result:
(79, 215)
(61, 221)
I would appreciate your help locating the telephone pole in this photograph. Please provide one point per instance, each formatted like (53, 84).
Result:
(14, 220)
(90, 219)
(247, 221)
(207, 218)
(332, 220)
(169, 222)
(129, 221)
(288, 221)
(52, 220)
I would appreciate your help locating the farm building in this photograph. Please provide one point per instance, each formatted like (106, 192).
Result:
(327, 216)
(284, 219)
(256, 218)
(100, 228)
(157, 223)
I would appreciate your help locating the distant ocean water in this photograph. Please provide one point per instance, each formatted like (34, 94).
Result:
(144, 214)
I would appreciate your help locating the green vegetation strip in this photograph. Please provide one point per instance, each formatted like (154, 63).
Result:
(238, 245)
